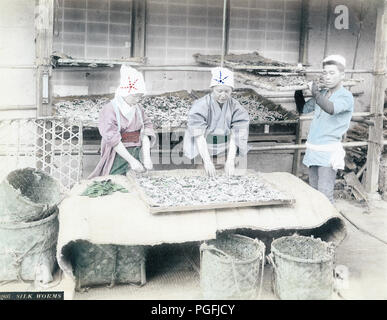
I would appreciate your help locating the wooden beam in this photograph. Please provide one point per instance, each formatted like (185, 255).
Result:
(297, 153)
(227, 34)
(355, 114)
(138, 30)
(304, 33)
(327, 27)
(17, 107)
(224, 31)
(375, 145)
(303, 146)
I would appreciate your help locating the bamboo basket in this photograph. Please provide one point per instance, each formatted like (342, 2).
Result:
(303, 268)
(26, 195)
(25, 246)
(230, 267)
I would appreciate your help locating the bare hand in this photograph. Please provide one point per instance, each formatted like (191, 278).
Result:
(229, 168)
(315, 88)
(310, 83)
(136, 166)
(148, 163)
(210, 168)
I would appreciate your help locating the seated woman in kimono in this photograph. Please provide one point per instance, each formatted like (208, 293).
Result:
(125, 129)
(217, 124)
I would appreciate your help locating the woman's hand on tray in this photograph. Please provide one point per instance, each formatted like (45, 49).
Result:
(148, 163)
(136, 165)
(210, 168)
(229, 168)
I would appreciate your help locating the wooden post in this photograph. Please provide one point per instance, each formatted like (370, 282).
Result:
(225, 30)
(302, 58)
(304, 33)
(44, 26)
(375, 145)
(138, 29)
(328, 25)
(297, 152)
(228, 19)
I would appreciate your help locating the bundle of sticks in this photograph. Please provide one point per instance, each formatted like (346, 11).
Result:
(356, 157)
(349, 182)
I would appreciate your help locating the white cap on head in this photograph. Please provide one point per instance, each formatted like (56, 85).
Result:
(336, 58)
(131, 82)
(222, 76)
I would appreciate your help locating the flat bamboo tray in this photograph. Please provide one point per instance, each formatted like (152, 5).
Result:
(268, 82)
(170, 122)
(287, 115)
(87, 109)
(155, 208)
(249, 61)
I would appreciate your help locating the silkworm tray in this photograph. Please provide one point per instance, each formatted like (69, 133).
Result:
(189, 190)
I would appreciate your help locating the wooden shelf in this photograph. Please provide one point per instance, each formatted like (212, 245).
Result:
(90, 64)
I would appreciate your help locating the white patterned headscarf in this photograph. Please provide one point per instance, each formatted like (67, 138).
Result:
(131, 82)
(222, 76)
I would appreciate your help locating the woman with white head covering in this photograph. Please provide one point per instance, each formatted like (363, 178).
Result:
(125, 129)
(217, 124)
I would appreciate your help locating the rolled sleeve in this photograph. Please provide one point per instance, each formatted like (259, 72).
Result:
(108, 127)
(197, 120)
(241, 136)
(148, 128)
(342, 104)
(240, 118)
(240, 128)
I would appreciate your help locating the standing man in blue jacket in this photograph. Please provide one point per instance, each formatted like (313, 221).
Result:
(333, 107)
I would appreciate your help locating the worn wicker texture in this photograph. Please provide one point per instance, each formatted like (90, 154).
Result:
(106, 264)
(26, 195)
(230, 267)
(303, 268)
(24, 246)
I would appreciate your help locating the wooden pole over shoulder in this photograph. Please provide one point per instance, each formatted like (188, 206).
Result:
(375, 145)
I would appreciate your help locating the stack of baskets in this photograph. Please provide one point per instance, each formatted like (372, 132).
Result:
(232, 267)
(28, 225)
(107, 264)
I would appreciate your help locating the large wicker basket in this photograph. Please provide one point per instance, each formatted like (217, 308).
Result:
(303, 268)
(26, 195)
(24, 247)
(230, 267)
